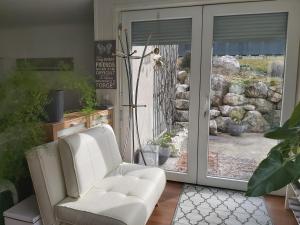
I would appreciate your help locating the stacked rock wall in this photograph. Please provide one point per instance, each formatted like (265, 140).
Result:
(258, 101)
(182, 101)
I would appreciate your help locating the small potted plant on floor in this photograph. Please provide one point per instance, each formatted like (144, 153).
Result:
(235, 126)
(165, 148)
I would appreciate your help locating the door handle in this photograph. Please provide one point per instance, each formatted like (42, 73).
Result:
(205, 114)
(206, 107)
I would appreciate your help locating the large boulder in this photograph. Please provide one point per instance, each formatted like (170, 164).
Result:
(187, 80)
(226, 65)
(237, 113)
(273, 118)
(213, 127)
(183, 95)
(234, 99)
(222, 123)
(275, 94)
(225, 110)
(219, 83)
(182, 76)
(256, 90)
(255, 122)
(276, 88)
(182, 104)
(213, 113)
(237, 88)
(262, 105)
(249, 107)
(180, 125)
(182, 87)
(216, 98)
(182, 116)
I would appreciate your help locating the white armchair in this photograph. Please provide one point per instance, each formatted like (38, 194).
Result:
(82, 180)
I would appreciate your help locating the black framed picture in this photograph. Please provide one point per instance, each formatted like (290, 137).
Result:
(106, 75)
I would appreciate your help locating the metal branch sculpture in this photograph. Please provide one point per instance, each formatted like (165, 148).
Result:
(133, 106)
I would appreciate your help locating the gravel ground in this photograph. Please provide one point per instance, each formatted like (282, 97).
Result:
(229, 157)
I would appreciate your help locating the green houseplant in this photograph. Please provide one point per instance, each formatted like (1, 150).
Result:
(23, 98)
(67, 80)
(282, 165)
(22, 102)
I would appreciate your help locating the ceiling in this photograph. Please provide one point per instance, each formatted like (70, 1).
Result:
(44, 12)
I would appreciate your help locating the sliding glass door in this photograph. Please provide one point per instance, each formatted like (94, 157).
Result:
(248, 86)
(216, 79)
(168, 88)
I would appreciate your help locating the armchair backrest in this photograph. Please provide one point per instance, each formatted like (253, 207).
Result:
(87, 157)
(70, 167)
(48, 180)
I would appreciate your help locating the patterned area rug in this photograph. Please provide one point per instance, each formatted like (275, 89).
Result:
(200, 205)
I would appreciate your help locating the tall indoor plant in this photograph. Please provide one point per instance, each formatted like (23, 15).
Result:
(282, 165)
(22, 102)
(24, 95)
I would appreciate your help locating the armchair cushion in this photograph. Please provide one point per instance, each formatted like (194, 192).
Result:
(127, 196)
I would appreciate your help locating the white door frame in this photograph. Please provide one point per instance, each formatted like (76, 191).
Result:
(178, 13)
(290, 78)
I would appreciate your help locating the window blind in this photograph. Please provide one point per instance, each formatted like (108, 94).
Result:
(250, 34)
(173, 31)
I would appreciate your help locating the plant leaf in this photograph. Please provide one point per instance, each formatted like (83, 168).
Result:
(281, 133)
(295, 118)
(272, 174)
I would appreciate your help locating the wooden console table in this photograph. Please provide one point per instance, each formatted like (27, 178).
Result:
(76, 122)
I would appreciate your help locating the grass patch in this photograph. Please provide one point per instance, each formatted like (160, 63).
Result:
(259, 63)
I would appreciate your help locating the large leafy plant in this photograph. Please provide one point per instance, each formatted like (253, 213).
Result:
(282, 165)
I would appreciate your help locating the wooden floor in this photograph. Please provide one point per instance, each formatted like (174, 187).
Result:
(163, 214)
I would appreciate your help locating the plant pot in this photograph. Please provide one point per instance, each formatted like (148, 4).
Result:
(150, 153)
(164, 154)
(55, 108)
(236, 129)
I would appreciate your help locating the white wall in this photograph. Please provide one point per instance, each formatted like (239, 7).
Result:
(70, 40)
(105, 21)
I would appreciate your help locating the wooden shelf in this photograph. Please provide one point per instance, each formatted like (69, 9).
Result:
(76, 122)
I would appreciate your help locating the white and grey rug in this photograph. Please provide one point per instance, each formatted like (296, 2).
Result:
(200, 205)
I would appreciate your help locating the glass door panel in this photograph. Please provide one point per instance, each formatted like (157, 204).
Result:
(164, 86)
(168, 87)
(246, 90)
(244, 85)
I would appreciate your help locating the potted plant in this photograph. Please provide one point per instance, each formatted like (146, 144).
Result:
(235, 126)
(282, 165)
(165, 147)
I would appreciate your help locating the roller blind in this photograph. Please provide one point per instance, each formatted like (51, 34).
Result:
(173, 31)
(261, 34)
